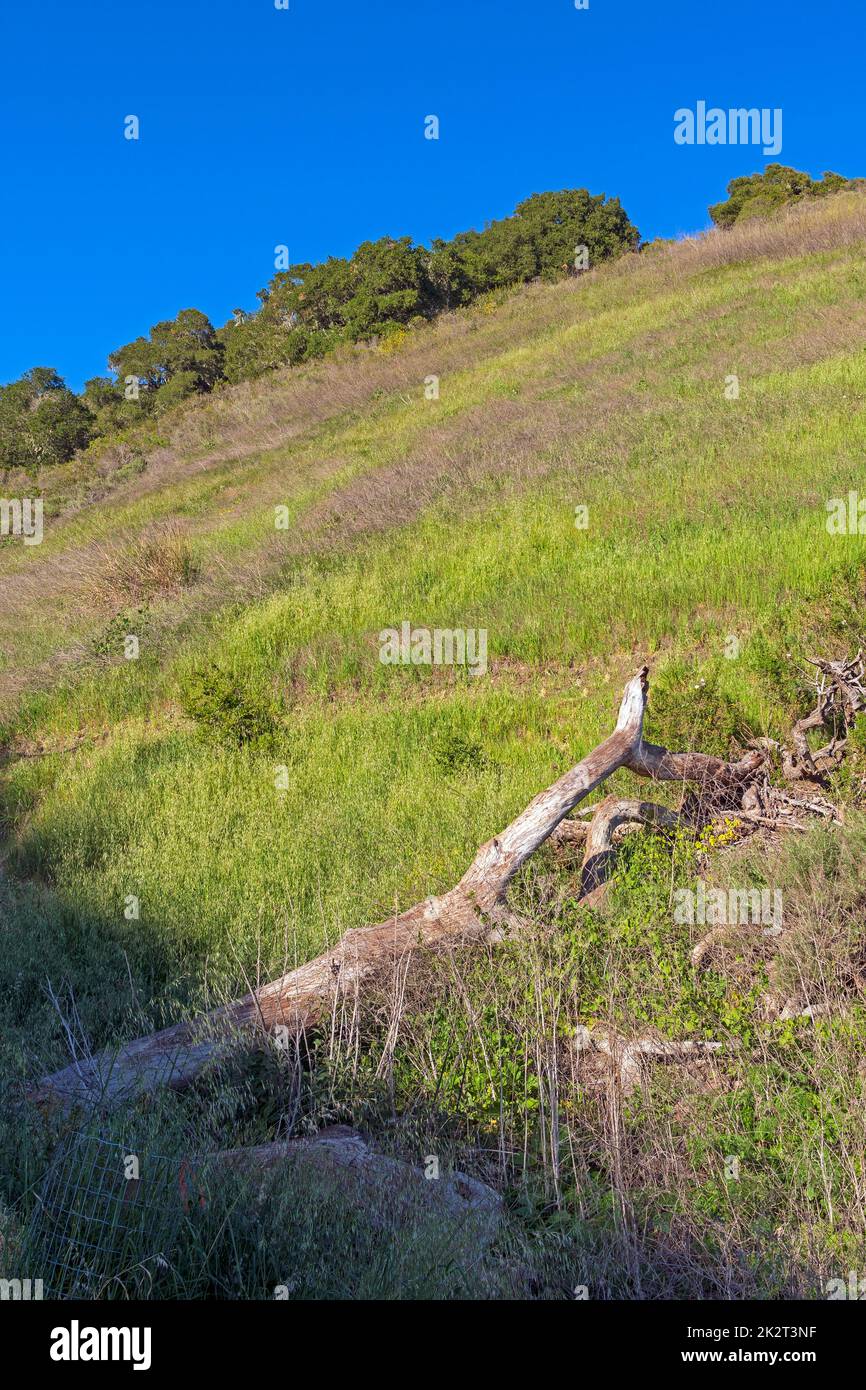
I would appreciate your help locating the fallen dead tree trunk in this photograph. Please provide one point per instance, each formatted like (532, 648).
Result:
(474, 908)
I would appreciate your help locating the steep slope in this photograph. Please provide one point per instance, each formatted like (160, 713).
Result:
(705, 514)
(258, 779)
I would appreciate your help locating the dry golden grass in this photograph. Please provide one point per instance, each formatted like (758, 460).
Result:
(571, 387)
(268, 412)
(156, 564)
(807, 228)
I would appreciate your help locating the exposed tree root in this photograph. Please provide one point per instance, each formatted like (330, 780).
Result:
(840, 697)
(610, 816)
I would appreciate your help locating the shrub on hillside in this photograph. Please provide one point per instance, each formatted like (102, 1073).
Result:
(456, 752)
(224, 710)
(758, 195)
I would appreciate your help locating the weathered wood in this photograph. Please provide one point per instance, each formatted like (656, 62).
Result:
(496, 863)
(841, 696)
(704, 772)
(599, 854)
(475, 908)
(626, 1054)
(175, 1056)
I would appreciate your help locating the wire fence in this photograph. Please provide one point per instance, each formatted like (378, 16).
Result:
(108, 1212)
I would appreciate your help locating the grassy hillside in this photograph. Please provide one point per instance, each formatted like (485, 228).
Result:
(154, 778)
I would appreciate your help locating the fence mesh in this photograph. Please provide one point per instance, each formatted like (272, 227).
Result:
(110, 1212)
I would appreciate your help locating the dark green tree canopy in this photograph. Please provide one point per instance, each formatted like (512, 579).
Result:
(185, 345)
(41, 420)
(307, 310)
(391, 282)
(757, 195)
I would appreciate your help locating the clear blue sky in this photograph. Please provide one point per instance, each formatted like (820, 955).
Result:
(305, 127)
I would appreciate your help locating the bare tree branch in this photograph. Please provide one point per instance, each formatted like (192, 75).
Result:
(473, 909)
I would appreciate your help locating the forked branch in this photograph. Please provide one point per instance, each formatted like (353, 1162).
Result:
(474, 908)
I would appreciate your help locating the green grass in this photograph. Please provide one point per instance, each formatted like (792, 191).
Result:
(155, 778)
